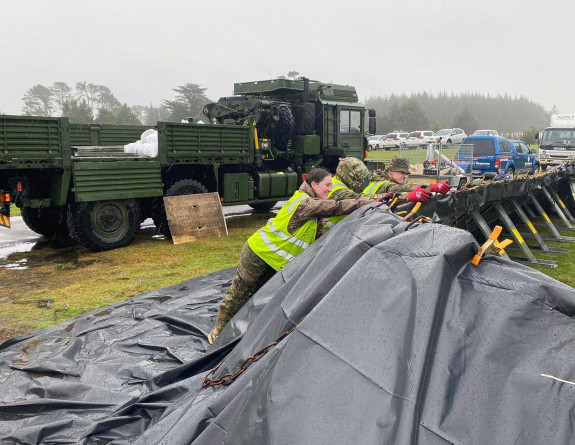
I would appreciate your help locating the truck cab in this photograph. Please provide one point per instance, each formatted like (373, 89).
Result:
(557, 142)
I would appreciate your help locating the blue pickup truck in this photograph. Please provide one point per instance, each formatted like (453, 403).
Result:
(496, 154)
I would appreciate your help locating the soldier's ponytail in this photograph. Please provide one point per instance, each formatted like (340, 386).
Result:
(317, 175)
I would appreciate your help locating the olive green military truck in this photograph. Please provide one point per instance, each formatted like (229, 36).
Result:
(76, 179)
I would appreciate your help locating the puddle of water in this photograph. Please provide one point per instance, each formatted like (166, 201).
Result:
(15, 257)
(18, 265)
(15, 248)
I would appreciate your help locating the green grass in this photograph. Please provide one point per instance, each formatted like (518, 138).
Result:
(14, 211)
(80, 281)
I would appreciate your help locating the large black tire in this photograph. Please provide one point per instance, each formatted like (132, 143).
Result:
(263, 206)
(284, 128)
(104, 225)
(309, 120)
(46, 221)
(511, 172)
(181, 187)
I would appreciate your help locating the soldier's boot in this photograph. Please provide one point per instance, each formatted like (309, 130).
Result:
(213, 335)
(221, 323)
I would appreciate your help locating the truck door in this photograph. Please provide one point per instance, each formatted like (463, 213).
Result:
(505, 155)
(528, 158)
(350, 136)
(520, 157)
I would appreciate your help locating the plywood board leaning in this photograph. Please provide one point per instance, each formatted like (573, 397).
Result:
(192, 217)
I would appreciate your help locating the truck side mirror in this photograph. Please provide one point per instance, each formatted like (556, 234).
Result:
(536, 136)
(533, 151)
(372, 125)
(371, 113)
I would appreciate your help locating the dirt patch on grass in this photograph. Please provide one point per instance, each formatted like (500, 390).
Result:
(6, 333)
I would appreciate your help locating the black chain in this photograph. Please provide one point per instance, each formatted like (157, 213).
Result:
(228, 379)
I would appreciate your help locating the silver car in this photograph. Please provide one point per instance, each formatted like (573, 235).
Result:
(485, 133)
(449, 136)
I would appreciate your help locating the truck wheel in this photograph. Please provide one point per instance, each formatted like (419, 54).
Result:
(511, 172)
(46, 221)
(537, 169)
(104, 225)
(181, 187)
(284, 128)
(263, 206)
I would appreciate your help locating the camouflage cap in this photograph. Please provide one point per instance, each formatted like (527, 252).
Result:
(398, 164)
(352, 172)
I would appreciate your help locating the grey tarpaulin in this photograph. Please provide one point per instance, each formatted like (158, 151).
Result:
(398, 339)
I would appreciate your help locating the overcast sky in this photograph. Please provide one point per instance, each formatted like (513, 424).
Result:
(142, 49)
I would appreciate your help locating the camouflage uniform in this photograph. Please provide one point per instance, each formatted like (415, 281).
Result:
(353, 173)
(253, 272)
(397, 164)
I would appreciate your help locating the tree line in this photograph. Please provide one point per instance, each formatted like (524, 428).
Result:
(469, 111)
(93, 103)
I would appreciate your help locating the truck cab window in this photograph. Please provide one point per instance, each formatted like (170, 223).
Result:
(505, 147)
(350, 122)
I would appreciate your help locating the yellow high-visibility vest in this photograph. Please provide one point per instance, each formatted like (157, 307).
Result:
(274, 244)
(333, 220)
(372, 187)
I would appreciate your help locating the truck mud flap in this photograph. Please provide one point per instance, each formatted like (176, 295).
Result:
(4, 210)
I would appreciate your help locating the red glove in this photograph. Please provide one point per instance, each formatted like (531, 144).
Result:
(440, 187)
(386, 198)
(418, 195)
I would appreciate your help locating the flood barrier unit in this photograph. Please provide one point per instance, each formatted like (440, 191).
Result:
(521, 205)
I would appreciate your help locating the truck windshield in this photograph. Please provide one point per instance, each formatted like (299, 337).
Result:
(481, 146)
(557, 137)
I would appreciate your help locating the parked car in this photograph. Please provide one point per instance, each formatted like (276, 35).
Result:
(375, 142)
(485, 133)
(395, 139)
(449, 136)
(419, 138)
(496, 154)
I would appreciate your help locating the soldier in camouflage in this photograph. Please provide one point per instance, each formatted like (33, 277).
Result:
(393, 180)
(297, 224)
(350, 176)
